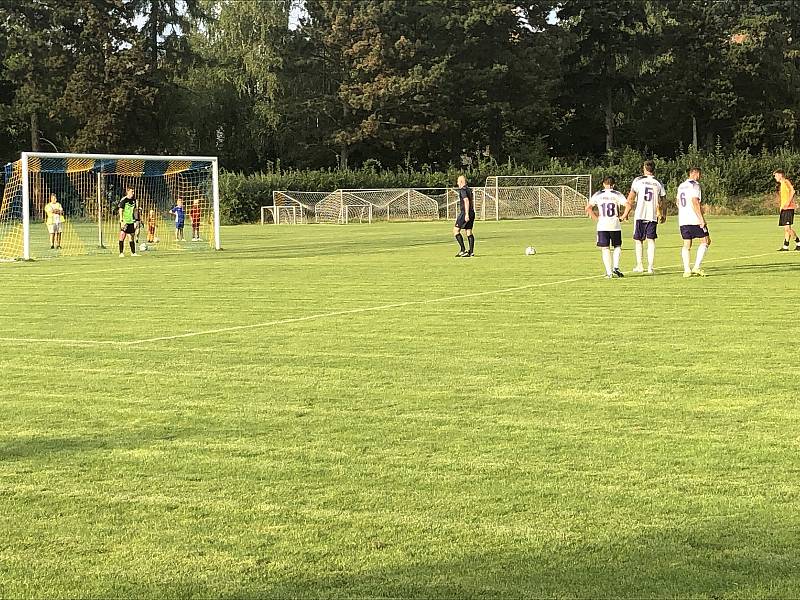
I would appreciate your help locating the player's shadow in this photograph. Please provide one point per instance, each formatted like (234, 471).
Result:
(725, 557)
(37, 447)
(761, 268)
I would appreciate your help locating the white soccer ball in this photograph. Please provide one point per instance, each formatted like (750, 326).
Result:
(156, 240)
(530, 251)
(143, 247)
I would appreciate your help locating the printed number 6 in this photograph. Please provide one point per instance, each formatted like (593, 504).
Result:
(683, 199)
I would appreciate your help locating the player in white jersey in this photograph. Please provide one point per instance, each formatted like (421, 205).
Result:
(648, 194)
(604, 207)
(692, 222)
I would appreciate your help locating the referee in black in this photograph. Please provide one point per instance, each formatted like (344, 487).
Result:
(465, 218)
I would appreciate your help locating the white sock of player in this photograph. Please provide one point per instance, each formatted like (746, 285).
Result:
(607, 260)
(701, 252)
(651, 254)
(685, 257)
(617, 254)
(637, 246)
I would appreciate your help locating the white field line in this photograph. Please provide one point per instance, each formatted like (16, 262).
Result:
(337, 313)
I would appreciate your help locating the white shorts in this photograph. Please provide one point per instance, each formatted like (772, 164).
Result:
(54, 228)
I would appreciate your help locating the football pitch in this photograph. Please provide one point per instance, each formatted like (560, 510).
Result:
(350, 411)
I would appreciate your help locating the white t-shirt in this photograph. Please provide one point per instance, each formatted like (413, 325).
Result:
(648, 190)
(608, 203)
(686, 191)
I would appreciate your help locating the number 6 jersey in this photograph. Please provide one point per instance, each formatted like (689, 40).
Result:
(686, 191)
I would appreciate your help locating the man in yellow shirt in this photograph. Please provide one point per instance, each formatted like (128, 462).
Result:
(786, 219)
(55, 219)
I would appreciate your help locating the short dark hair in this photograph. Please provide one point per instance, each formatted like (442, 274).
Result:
(698, 169)
(649, 166)
(779, 172)
(609, 180)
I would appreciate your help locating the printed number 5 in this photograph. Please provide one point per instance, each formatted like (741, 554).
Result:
(648, 194)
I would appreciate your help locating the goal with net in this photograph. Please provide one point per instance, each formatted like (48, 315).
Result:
(359, 205)
(521, 196)
(88, 188)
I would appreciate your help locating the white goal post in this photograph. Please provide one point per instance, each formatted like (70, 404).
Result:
(87, 186)
(291, 214)
(521, 196)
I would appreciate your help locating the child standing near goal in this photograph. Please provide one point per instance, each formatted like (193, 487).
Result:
(604, 207)
(179, 213)
(55, 217)
(151, 226)
(194, 214)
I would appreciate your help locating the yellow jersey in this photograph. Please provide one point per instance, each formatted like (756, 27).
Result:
(52, 216)
(787, 195)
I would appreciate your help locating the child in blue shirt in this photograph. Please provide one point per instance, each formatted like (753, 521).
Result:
(180, 216)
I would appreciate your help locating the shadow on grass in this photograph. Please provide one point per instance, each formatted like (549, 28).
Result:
(761, 267)
(38, 447)
(732, 560)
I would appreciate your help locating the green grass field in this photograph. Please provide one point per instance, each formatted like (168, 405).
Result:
(350, 411)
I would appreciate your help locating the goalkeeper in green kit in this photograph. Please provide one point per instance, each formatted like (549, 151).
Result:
(127, 220)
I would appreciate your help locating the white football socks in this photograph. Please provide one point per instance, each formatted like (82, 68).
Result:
(617, 254)
(651, 254)
(607, 259)
(637, 246)
(701, 252)
(685, 257)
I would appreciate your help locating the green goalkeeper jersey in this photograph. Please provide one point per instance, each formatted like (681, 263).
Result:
(128, 206)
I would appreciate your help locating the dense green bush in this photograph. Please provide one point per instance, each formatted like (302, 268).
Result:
(736, 182)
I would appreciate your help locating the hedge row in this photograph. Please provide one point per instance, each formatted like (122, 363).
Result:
(737, 182)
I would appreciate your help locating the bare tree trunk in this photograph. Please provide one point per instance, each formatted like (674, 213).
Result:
(343, 156)
(694, 131)
(34, 131)
(609, 122)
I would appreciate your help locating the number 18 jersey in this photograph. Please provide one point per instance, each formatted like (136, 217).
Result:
(608, 203)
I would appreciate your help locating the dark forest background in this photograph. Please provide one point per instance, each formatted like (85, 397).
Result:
(389, 84)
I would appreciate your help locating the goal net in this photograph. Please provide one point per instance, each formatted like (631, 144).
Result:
(362, 205)
(521, 196)
(291, 215)
(88, 188)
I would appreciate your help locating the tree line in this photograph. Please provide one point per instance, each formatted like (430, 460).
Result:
(424, 84)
